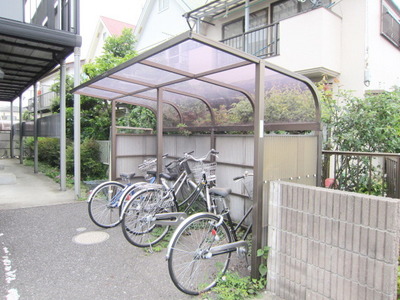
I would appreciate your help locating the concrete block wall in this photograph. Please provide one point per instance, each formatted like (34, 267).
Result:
(328, 244)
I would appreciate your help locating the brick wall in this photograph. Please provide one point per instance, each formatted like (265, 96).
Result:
(328, 244)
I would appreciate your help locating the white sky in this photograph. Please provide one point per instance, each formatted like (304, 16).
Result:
(122, 10)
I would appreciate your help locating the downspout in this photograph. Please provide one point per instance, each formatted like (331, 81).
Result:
(367, 74)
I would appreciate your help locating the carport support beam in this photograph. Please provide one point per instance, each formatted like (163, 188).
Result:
(12, 130)
(21, 145)
(63, 138)
(35, 131)
(160, 145)
(77, 125)
(258, 199)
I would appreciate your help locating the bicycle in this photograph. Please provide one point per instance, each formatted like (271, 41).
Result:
(104, 202)
(200, 249)
(147, 217)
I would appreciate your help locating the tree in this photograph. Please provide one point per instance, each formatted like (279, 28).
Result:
(96, 113)
(369, 124)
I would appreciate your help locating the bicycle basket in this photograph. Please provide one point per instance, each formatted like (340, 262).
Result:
(148, 165)
(208, 169)
(178, 168)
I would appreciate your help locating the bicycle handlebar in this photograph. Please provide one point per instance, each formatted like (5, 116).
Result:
(188, 156)
(243, 176)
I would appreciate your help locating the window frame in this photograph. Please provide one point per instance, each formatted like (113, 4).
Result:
(387, 8)
(242, 19)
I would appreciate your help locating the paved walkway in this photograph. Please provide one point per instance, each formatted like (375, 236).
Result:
(53, 251)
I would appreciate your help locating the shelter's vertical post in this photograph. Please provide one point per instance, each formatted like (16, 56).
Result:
(160, 146)
(113, 160)
(246, 25)
(21, 145)
(258, 209)
(12, 130)
(62, 126)
(213, 141)
(35, 131)
(77, 125)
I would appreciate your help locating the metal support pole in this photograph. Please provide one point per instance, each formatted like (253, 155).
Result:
(77, 126)
(12, 130)
(246, 25)
(160, 146)
(21, 144)
(35, 131)
(113, 160)
(260, 213)
(63, 138)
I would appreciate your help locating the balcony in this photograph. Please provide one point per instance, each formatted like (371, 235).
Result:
(262, 42)
(308, 43)
(35, 36)
(43, 102)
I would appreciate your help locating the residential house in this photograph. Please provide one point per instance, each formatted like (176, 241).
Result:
(162, 19)
(105, 27)
(355, 44)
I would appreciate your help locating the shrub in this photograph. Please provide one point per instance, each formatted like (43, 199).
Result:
(91, 167)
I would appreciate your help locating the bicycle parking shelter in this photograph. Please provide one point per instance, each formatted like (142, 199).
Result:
(207, 86)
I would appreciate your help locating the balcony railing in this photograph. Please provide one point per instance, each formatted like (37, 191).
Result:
(262, 42)
(44, 102)
(53, 14)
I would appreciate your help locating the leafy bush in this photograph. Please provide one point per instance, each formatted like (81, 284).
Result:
(49, 151)
(91, 167)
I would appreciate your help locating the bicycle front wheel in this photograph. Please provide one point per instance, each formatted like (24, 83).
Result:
(192, 267)
(139, 224)
(103, 204)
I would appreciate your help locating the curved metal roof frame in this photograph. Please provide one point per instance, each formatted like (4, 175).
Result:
(187, 57)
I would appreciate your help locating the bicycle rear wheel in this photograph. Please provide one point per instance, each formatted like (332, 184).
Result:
(138, 218)
(192, 267)
(103, 204)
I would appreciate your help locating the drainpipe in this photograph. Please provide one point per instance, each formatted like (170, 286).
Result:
(367, 74)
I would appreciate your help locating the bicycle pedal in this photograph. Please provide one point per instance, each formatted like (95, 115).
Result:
(242, 252)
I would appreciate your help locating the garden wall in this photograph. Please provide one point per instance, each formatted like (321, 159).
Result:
(328, 244)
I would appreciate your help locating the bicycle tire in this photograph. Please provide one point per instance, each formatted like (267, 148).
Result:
(138, 218)
(103, 204)
(184, 193)
(191, 270)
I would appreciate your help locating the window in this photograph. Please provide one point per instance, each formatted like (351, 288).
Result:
(163, 5)
(289, 8)
(255, 41)
(257, 19)
(390, 25)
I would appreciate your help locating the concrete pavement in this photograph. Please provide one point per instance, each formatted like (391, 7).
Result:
(51, 251)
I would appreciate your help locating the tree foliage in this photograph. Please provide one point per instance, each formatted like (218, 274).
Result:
(96, 113)
(369, 124)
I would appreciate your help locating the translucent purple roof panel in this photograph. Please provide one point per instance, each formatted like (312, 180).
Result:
(204, 83)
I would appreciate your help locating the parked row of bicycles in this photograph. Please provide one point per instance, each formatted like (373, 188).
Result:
(205, 236)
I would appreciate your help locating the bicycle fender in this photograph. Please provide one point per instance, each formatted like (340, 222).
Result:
(187, 220)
